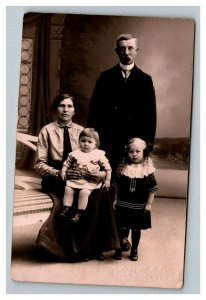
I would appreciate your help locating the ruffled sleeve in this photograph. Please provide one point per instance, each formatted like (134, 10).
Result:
(102, 159)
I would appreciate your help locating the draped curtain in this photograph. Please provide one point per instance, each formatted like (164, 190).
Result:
(40, 93)
(40, 100)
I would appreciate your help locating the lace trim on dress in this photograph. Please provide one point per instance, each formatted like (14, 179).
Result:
(94, 155)
(87, 161)
(139, 170)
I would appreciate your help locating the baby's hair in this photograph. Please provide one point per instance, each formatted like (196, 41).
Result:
(92, 133)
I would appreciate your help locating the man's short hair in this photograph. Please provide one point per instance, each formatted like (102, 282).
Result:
(125, 37)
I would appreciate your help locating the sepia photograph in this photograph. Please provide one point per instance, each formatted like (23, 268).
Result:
(103, 139)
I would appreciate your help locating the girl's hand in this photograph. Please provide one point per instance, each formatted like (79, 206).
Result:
(115, 204)
(148, 207)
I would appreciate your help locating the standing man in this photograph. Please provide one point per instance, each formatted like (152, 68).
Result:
(123, 105)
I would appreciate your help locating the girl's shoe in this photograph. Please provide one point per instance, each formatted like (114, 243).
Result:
(118, 254)
(133, 255)
(125, 245)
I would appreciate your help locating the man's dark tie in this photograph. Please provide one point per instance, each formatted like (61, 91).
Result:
(126, 74)
(67, 143)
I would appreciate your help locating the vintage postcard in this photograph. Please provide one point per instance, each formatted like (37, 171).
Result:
(128, 77)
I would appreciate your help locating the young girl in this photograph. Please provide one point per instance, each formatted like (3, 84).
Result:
(86, 158)
(134, 193)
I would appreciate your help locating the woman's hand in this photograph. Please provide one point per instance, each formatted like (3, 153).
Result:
(95, 177)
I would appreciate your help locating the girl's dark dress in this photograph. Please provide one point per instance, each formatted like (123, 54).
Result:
(133, 191)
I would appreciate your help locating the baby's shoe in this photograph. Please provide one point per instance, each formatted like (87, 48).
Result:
(77, 217)
(65, 213)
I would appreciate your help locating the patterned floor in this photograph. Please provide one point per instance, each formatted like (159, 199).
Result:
(30, 207)
(31, 201)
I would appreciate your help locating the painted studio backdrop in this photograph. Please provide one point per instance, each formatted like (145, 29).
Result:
(63, 53)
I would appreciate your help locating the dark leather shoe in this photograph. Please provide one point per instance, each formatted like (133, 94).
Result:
(125, 245)
(65, 212)
(133, 255)
(118, 254)
(100, 256)
(86, 259)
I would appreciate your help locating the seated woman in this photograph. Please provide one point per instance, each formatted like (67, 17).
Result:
(97, 231)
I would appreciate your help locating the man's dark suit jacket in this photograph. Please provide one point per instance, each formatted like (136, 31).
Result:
(122, 110)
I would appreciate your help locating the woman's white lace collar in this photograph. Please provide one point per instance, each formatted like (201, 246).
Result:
(139, 170)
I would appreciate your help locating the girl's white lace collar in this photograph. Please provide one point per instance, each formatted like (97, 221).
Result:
(139, 170)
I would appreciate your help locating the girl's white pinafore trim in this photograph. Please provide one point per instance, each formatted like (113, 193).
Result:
(139, 170)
